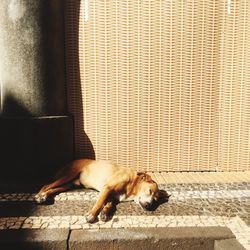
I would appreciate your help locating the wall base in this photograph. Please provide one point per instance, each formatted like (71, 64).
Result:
(33, 149)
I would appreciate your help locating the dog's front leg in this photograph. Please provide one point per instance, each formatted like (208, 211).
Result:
(108, 210)
(101, 201)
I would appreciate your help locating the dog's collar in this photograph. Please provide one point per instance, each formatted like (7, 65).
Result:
(136, 180)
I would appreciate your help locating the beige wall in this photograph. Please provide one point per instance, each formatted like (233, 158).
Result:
(161, 85)
(234, 124)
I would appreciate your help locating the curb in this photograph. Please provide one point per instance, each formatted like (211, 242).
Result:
(177, 238)
(31, 239)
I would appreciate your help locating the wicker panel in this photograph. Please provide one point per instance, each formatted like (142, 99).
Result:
(146, 79)
(234, 136)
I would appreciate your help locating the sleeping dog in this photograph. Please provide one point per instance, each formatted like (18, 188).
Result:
(115, 183)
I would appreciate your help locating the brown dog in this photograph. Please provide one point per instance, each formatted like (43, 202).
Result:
(114, 183)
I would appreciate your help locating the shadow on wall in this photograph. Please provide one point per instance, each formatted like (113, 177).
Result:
(32, 148)
(14, 140)
(12, 108)
(83, 146)
(13, 147)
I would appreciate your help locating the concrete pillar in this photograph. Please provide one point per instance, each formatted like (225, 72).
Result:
(32, 65)
(36, 134)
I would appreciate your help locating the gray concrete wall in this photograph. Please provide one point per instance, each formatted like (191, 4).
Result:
(36, 133)
(32, 65)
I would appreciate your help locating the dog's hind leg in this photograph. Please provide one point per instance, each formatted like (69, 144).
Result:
(57, 183)
(68, 175)
(47, 189)
(42, 196)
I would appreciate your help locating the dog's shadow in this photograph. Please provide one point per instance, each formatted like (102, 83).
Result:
(152, 208)
(159, 202)
(51, 200)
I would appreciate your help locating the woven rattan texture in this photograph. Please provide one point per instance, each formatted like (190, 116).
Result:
(160, 85)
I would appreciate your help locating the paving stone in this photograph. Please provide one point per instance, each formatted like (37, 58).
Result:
(207, 202)
(158, 238)
(228, 244)
(34, 239)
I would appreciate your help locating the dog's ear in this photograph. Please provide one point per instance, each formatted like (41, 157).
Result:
(162, 195)
(145, 177)
(141, 174)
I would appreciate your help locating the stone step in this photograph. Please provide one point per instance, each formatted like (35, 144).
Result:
(205, 238)
(27, 239)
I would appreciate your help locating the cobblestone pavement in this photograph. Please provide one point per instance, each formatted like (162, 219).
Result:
(225, 204)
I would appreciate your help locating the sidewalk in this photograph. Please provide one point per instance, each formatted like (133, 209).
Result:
(200, 200)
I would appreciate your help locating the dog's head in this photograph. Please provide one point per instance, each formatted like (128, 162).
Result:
(148, 192)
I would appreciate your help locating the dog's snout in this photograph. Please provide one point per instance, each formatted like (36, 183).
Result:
(145, 205)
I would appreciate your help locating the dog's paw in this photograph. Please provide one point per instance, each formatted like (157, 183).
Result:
(104, 217)
(90, 218)
(41, 197)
